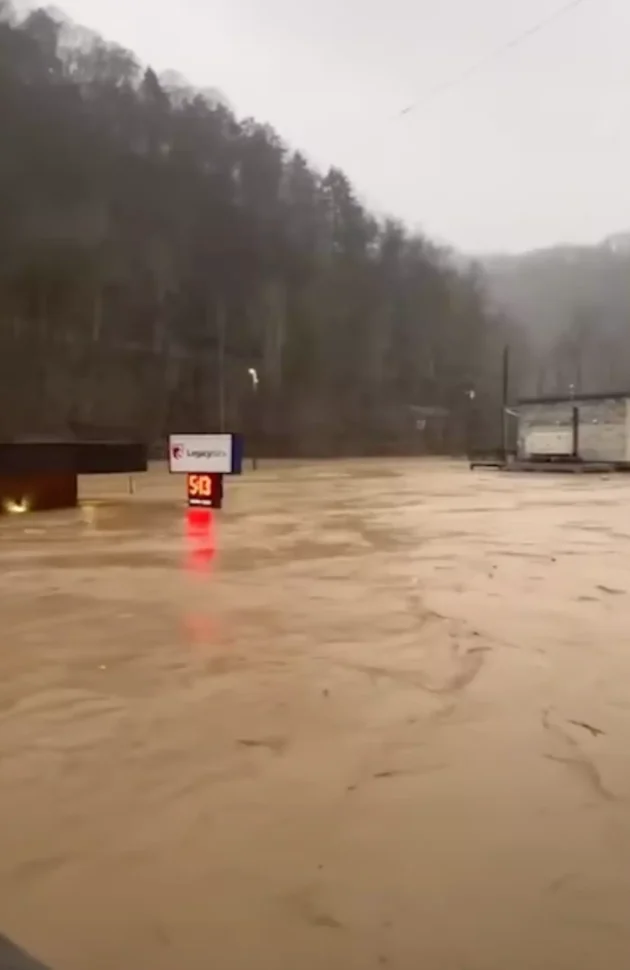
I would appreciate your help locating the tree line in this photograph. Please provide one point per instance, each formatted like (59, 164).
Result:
(155, 251)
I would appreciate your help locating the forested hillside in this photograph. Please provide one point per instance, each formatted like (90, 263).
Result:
(573, 302)
(153, 248)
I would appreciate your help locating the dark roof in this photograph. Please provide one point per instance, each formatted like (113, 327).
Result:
(575, 398)
(78, 457)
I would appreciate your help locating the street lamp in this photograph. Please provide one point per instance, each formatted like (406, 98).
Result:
(471, 394)
(253, 373)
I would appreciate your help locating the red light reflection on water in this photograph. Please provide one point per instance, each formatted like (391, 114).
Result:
(199, 629)
(201, 549)
(201, 536)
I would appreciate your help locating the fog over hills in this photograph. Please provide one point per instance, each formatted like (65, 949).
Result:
(573, 303)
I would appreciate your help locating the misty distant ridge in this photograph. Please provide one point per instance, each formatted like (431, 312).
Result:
(572, 303)
(546, 290)
(617, 243)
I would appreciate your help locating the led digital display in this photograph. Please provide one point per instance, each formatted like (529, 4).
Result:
(205, 490)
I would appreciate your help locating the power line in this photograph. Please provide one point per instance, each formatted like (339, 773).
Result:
(516, 41)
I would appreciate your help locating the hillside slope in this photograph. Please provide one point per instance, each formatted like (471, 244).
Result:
(573, 303)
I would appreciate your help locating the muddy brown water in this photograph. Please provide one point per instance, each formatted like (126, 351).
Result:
(378, 715)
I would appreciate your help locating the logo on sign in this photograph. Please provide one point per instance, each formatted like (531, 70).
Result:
(205, 453)
(178, 452)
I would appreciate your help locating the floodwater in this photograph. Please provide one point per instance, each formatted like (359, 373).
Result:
(375, 715)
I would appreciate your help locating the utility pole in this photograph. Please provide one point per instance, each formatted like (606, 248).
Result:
(504, 402)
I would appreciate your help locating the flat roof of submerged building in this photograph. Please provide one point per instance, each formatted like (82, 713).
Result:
(574, 398)
(76, 457)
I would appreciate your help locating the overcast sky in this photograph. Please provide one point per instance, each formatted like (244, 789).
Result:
(532, 150)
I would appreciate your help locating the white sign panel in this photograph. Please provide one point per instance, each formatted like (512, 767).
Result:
(549, 441)
(200, 453)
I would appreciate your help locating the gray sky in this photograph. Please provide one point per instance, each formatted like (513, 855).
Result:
(533, 150)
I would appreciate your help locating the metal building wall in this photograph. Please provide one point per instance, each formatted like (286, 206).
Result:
(545, 428)
(604, 429)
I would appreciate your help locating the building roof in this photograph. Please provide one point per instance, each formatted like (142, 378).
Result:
(574, 398)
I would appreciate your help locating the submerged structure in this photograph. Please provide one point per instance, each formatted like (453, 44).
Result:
(37, 475)
(592, 429)
(577, 432)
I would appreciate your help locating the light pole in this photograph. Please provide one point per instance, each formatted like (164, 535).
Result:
(253, 374)
(471, 394)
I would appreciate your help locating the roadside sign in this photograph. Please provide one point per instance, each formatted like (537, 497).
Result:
(204, 490)
(205, 454)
